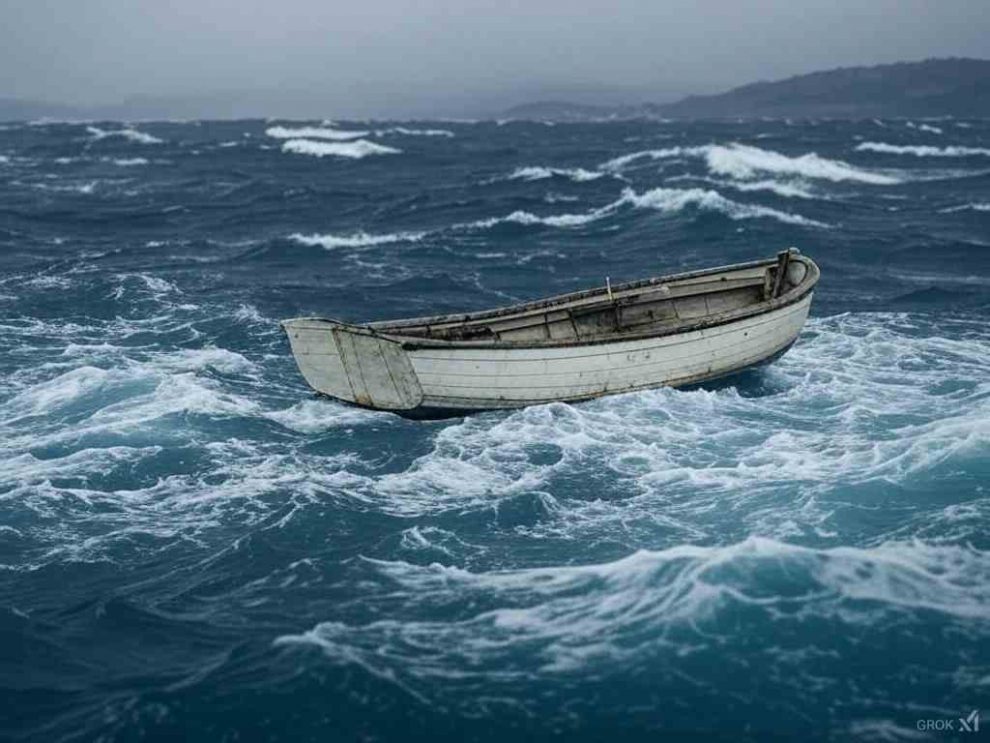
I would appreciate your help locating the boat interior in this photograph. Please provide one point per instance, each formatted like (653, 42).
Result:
(653, 305)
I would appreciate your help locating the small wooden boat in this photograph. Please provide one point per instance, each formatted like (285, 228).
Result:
(667, 331)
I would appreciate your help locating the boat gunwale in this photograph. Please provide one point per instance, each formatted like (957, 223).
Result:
(548, 303)
(410, 343)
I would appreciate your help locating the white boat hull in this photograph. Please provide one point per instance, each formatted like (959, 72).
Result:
(467, 378)
(424, 378)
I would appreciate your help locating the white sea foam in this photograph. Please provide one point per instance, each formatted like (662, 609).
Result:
(745, 162)
(976, 207)
(356, 239)
(406, 132)
(924, 128)
(863, 404)
(127, 162)
(559, 198)
(841, 417)
(313, 132)
(618, 163)
(922, 150)
(315, 416)
(354, 149)
(742, 161)
(537, 173)
(553, 220)
(673, 200)
(669, 200)
(87, 187)
(128, 133)
(637, 613)
(788, 189)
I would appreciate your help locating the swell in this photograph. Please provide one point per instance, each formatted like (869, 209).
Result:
(832, 420)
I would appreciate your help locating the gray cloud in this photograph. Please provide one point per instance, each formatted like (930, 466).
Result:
(404, 56)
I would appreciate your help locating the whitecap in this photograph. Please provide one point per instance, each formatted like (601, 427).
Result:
(315, 416)
(922, 150)
(787, 189)
(415, 132)
(313, 132)
(683, 453)
(84, 188)
(456, 629)
(354, 149)
(673, 200)
(127, 162)
(536, 173)
(356, 239)
(669, 200)
(745, 162)
(924, 128)
(976, 207)
(128, 133)
(557, 198)
(554, 220)
(618, 163)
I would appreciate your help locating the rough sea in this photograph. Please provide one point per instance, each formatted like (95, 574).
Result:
(193, 546)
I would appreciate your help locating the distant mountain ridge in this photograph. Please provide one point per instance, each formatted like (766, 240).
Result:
(934, 87)
(930, 88)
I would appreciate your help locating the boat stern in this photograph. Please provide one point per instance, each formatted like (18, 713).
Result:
(353, 364)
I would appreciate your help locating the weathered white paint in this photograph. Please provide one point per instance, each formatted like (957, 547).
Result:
(687, 338)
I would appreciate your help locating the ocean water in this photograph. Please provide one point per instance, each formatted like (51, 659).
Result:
(193, 546)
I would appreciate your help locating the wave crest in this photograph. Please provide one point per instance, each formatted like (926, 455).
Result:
(922, 150)
(672, 200)
(354, 149)
(745, 162)
(128, 133)
(502, 628)
(538, 173)
(312, 132)
(356, 240)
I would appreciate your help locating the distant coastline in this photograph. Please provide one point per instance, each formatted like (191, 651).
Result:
(930, 88)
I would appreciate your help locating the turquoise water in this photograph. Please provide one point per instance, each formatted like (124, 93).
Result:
(194, 546)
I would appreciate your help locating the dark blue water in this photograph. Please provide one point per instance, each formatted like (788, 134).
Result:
(192, 546)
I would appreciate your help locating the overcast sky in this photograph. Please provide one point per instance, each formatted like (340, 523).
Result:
(367, 54)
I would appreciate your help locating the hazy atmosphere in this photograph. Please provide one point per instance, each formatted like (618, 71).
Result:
(434, 372)
(436, 57)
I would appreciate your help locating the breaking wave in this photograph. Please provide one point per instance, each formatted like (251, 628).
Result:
(674, 200)
(745, 162)
(406, 132)
(682, 453)
(356, 240)
(667, 200)
(354, 149)
(922, 150)
(537, 173)
(130, 134)
(976, 207)
(128, 162)
(787, 189)
(312, 132)
(924, 128)
(507, 627)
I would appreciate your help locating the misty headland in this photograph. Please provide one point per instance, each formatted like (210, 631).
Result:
(928, 88)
